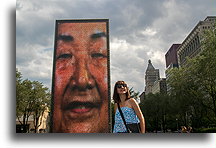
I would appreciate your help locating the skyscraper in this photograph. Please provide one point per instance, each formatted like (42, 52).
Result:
(151, 75)
(171, 62)
(191, 45)
(171, 56)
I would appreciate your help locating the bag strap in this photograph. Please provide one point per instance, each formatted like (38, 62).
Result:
(120, 111)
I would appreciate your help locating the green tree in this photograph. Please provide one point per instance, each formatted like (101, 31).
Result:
(41, 97)
(150, 109)
(203, 69)
(134, 94)
(23, 103)
(32, 98)
(193, 86)
(156, 109)
(180, 91)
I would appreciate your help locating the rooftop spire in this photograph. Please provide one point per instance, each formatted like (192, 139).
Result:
(150, 66)
(149, 61)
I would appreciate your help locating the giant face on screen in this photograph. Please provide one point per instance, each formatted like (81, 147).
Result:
(80, 101)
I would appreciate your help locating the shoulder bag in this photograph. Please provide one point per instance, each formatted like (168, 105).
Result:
(131, 128)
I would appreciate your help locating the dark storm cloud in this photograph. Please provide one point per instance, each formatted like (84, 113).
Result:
(139, 30)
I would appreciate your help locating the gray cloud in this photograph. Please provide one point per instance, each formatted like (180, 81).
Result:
(139, 30)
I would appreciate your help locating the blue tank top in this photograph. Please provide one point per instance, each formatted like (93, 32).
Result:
(130, 117)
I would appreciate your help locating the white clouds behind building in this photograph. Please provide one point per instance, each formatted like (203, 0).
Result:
(139, 30)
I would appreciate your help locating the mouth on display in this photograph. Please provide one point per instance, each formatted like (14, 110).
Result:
(81, 110)
(81, 107)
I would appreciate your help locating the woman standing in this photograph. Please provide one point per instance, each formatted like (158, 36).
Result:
(129, 107)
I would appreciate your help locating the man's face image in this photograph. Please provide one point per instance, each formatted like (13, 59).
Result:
(81, 80)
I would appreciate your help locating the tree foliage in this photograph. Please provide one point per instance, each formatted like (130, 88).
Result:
(32, 98)
(134, 94)
(158, 112)
(192, 98)
(193, 86)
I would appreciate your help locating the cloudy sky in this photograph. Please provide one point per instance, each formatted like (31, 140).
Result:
(139, 30)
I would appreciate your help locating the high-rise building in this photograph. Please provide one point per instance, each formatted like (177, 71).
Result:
(171, 55)
(171, 62)
(160, 86)
(191, 45)
(151, 75)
